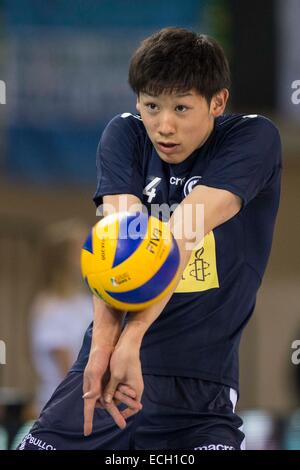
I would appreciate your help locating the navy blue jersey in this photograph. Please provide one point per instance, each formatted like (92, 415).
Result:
(198, 332)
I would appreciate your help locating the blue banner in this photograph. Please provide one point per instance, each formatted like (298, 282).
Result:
(67, 77)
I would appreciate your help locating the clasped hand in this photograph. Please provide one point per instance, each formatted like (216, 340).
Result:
(112, 376)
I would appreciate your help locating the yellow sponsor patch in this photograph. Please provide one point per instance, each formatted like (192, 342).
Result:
(201, 272)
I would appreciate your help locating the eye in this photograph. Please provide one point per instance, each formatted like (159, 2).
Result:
(181, 108)
(151, 106)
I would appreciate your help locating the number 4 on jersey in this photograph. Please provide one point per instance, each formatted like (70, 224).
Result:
(150, 189)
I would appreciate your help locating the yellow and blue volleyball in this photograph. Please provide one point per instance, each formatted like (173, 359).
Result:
(130, 260)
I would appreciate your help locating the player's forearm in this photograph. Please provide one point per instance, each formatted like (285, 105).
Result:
(107, 324)
(139, 322)
(187, 234)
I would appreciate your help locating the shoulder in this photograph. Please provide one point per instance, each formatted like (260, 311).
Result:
(40, 305)
(125, 123)
(46, 307)
(247, 125)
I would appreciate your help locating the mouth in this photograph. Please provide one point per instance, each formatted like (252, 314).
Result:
(167, 147)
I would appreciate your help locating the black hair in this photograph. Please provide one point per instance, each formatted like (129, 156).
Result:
(178, 60)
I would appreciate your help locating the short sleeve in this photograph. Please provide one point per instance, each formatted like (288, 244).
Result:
(119, 159)
(246, 160)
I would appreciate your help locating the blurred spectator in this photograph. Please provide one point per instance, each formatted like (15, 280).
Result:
(3, 433)
(261, 430)
(3, 439)
(13, 405)
(61, 310)
(291, 439)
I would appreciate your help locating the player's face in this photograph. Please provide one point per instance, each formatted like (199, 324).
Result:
(178, 124)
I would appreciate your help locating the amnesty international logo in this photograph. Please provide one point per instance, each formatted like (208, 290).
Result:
(201, 272)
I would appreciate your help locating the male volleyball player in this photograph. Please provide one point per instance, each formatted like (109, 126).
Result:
(174, 366)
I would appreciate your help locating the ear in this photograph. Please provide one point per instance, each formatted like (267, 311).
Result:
(138, 105)
(218, 102)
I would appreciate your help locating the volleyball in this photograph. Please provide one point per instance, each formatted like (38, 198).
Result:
(130, 260)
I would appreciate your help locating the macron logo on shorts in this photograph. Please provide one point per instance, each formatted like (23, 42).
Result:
(215, 447)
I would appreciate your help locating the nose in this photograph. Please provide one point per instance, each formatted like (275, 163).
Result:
(166, 125)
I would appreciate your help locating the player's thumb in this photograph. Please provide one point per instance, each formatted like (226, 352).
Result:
(110, 389)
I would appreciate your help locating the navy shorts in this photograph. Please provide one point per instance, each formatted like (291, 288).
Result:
(178, 413)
